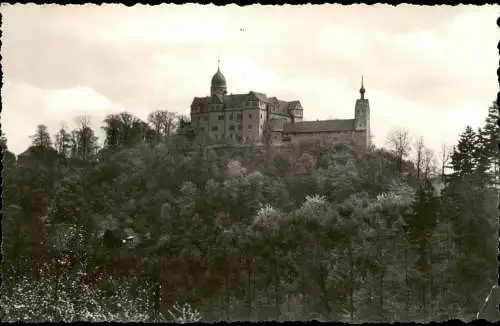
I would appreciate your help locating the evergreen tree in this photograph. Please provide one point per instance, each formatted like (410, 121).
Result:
(419, 227)
(489, 138)
(482, 157)
(463, 161)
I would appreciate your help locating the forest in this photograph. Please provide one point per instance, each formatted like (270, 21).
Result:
(151, 227)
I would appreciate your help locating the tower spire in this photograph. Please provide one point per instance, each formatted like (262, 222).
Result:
(218, 62)
(362, 89)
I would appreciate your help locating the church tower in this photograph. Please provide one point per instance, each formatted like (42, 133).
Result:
(218, 87)
(362, 113)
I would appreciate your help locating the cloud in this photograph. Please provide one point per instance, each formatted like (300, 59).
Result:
(29, 106)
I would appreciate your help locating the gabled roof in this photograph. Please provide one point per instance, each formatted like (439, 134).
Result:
(320, 126)
(261, 96)
(236, 100)
(286, 107)
(202, 100)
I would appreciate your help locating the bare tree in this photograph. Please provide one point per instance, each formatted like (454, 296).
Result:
(163, 122)
(84, 140)
(63, 141)
(41, 138)
(428, 162)
(398, 141)
(445, 155)
(419, 149)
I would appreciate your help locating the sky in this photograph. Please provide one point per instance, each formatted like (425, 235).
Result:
(430, 70)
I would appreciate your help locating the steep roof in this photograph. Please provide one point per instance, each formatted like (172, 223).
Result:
(202, 100)
(236, 100)
(337, 125)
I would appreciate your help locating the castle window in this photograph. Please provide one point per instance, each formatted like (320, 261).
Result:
(231, 127)
(249, 126)
(250, 115)
(239, 127)
(205, 118)
(231, 116)
(239, 116)
(214, 128)
(202, 129)
(231, 136)
(221, 117)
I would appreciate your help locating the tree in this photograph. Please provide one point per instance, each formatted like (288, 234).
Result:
(164, 123)
(428, 163)
(3, 141)
(420, 226)
(419, 148)
(63, 142)
(125, 130)
(319, 230)
(462, 159)
(398, 141)
(41, 138)
(490, 138)
(444, 158)
(112, 130)
(482, 157)
(84, 142)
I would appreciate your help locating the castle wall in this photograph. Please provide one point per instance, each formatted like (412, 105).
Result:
(231, 123)
(234, 128)
(358, 137)
(336, 136)
(250, 124)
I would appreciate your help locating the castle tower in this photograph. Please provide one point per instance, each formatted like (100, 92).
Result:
(362, 113)
(218, 87)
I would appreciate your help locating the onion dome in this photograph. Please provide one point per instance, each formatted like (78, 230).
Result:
(218, 79)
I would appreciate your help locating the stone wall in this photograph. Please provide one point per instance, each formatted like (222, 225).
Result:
(359, 137)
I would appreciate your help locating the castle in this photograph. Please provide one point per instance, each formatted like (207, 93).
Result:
(243, 118)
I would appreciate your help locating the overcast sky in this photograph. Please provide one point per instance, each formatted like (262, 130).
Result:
(431, 70)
